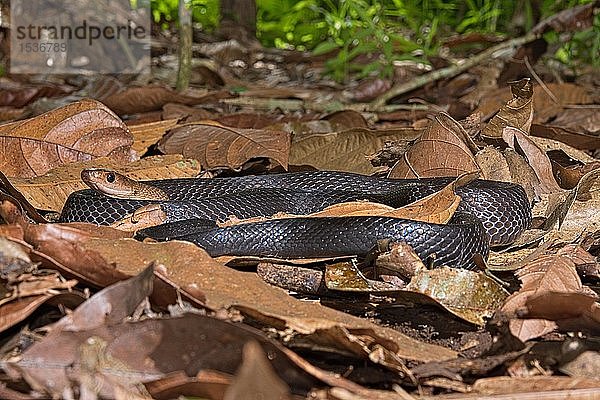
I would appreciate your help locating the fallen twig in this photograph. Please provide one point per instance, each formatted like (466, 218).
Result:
(492, 52)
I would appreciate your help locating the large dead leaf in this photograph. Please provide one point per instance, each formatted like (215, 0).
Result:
(256, 376)
(80, 131)
(346, 150)
(493, 164)
(129, 353)
(217, 146)
(50, 191)
(17, 94)
(570, 311)
(443, 150)
(148, 134)
(545, 274)
(517, 112)
(190, 270)
(536, 157)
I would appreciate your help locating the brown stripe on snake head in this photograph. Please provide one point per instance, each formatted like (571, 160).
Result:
(114, 184)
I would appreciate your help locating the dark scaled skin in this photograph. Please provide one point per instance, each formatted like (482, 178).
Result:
(502, 208)
(453, 244)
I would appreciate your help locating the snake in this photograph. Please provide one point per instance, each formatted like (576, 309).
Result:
(490, 213)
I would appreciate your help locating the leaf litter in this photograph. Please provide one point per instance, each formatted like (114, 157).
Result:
(88, 311)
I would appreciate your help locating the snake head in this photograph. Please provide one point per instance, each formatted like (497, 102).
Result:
(114, 184)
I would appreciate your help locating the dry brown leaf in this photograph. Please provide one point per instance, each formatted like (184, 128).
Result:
(50, 191)
(401, 260)
(536, 157)
(547, 109)
(111, 305)
(574, 138)
(517, 112)
(18, 310)
(569, 177)
(189, 269)
(217, 146)
(346, 119)
(443, 150)
(580, 119)
(345, 150)
(551, 144)
(129, 353)
(493, 164)
(507, 166)
(570, 311)
(183, 113)
(546, 274)
(148, 134)
(521, 172)
(437, 208)
(256, 376)
(135, 100)
(80, 131)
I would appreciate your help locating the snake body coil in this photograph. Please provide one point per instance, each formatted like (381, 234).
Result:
(488, 209)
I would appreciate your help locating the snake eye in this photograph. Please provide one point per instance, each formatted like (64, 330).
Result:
(110, 178)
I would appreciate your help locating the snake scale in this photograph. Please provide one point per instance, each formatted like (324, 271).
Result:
(489, 213)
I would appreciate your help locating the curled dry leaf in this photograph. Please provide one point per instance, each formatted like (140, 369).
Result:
(217, 146)
(50, 191)
(517, 112)
(436, 208)
(111, 305)
(80, 131)
(401, 260)
(443, 150)
(573, 216)
(536, 157)
(346, 150)
(19, 310)
(570, 311)
(507, 166)
(548, 273)
(345, 276)
(570, 176)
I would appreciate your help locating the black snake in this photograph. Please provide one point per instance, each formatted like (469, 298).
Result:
(490, 213)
